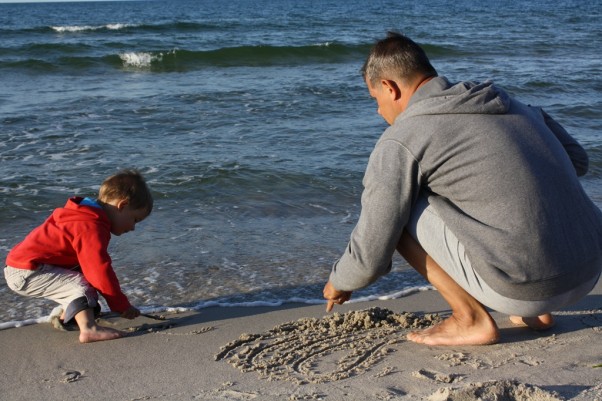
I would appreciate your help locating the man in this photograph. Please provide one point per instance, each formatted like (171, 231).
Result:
(478, 192)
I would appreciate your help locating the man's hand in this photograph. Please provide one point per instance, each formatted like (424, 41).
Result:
(335, 296)
(130, 313)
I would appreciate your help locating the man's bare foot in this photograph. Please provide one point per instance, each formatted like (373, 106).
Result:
(99, 333)
(457, 331)
(541, 322)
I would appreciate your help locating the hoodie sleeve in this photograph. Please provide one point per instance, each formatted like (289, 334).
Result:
(575, 151)
(390, 186)
(91, 248)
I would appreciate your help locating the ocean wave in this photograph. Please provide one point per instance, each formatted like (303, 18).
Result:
(187, 60)
(57, 57)
(177, 60)
(64, 29)
(171, 26)
(177, 26)
(183, 26)
(82, 28)
(247, 56)
(139, 59)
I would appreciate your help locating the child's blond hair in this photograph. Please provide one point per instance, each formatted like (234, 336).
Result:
(127, 184)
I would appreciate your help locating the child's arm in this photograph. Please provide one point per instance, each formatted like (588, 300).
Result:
(91, 247)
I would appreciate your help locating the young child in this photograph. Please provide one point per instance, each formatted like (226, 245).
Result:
(66, 258)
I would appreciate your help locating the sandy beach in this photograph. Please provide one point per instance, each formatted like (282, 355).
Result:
(298, 352)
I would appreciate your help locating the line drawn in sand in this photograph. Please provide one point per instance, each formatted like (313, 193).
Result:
(312, 350)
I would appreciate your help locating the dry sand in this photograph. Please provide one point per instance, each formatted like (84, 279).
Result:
(298, 352)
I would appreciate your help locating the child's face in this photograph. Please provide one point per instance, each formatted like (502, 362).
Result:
(124, 218)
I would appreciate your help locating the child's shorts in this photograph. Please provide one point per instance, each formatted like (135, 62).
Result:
(431, 232)
(64, 286)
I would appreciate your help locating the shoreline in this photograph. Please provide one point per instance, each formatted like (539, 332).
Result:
(223, 303)
(175, 358)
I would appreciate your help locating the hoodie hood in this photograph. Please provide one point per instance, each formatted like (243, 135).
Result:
(439, 96)
(74, 212)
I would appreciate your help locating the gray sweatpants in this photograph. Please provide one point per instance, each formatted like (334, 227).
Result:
(426, 227)
(55, 283)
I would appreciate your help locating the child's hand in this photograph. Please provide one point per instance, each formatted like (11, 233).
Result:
(130, 313)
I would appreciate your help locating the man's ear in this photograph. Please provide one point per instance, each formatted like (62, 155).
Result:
(391, 88)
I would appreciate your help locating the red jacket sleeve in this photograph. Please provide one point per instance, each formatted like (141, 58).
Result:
(91, 247)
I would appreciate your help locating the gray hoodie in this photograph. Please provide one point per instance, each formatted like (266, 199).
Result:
(501, 175)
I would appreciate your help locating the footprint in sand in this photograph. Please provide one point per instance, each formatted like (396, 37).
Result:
(71, 376)
(323, 350)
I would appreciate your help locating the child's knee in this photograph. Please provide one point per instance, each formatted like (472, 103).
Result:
(16, 279)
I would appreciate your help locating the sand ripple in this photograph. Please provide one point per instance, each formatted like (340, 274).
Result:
(332, 348)
(502, 390)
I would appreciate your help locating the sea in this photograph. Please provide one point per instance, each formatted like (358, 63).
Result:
(252, 125)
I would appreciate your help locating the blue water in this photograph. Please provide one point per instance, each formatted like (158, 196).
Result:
(252, 124)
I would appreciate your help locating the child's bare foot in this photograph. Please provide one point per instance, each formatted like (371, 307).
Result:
(99, 333)
(541, 322)
(457, 331)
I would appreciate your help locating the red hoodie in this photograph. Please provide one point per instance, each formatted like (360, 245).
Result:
(74, 235)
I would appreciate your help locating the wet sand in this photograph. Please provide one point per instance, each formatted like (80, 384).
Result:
(298, 352)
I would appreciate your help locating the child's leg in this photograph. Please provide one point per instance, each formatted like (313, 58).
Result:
(70, 289)
(89, 331)
(54, 283)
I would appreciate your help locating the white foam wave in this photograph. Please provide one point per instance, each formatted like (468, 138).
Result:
(226, 304)
(136, 59)
(82, 28)
(142, 59)
(116, 26)
(15, 323)
(62, 29)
